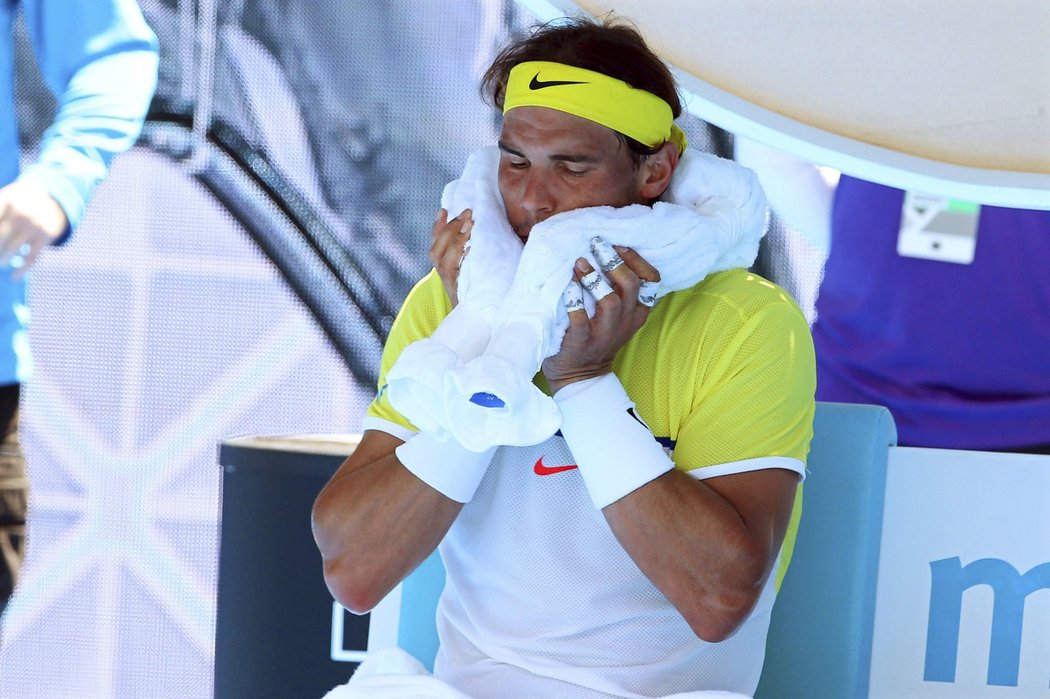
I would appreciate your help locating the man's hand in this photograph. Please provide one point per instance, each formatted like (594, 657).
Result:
(29, 217)
(449, 246)
(591, 344)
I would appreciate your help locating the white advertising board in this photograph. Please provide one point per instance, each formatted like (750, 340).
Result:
(963, 598)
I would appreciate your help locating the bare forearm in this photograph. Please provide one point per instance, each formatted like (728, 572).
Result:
(373, 526)
(693, 544)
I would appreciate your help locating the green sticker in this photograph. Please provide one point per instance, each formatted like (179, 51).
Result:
(957, 206)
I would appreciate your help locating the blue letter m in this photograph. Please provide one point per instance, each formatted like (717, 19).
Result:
(1009, 588)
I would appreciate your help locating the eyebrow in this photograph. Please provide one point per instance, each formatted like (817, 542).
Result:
(565, 157)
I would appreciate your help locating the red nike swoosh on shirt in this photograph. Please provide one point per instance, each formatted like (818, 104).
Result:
(542, 470)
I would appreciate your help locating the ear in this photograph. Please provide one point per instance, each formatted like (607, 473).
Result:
(656, 171)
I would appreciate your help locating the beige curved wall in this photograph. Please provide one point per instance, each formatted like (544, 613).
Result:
(965, 82)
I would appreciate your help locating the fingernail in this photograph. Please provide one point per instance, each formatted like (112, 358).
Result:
(583, 266)
(467, 227)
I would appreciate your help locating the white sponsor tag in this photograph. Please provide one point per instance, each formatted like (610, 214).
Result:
(937, 228)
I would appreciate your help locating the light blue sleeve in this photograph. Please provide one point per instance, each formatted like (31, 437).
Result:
(99, 57)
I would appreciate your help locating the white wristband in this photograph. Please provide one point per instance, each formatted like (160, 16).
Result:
(615, 451)
(447, 467)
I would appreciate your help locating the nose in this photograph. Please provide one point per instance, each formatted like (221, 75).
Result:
(537, 195)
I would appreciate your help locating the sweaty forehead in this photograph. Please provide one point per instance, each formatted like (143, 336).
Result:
(549, 129)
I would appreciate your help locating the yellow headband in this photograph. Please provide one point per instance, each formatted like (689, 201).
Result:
(594, 96)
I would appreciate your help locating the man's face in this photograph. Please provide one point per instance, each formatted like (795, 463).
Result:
(552, 162)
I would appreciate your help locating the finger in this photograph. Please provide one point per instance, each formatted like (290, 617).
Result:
(622, 277)
(435, 234)
(449, 238)
(572, 297)
(446, 229)
(648, 292)
(29, 258)
(462, 223)
(637, 264)
(463, 242)
(596, 285)
(439, 223)
(11, 245)
(593, 281)
(8, 236)
(608, 258)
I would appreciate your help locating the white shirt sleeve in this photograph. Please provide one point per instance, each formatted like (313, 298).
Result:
(798, 191)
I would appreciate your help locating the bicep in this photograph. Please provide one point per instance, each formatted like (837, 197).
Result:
(374, 445)
(336, 500)
(758, 402)
(764, 500)
(748, 435)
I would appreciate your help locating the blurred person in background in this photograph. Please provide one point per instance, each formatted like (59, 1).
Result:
(935, 308)
(99, 58)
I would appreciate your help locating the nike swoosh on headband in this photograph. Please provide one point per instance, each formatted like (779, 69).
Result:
(537, 84)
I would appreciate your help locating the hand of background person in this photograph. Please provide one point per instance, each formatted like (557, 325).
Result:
(30, 220)
(448, 247)
(591, 344)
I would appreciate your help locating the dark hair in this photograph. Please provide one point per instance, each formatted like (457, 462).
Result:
(610, 46)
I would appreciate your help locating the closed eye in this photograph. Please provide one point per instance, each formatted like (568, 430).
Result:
(508, 155)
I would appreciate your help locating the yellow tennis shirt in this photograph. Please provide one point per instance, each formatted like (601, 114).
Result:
(722, 372)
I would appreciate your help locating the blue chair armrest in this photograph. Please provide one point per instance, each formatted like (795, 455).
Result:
(819, 642)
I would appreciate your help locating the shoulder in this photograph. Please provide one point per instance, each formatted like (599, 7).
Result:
(424, 306)
(741, 288)
(729, 302)
(741, 380)
(731, 326)
(429, 289)
(423, 310)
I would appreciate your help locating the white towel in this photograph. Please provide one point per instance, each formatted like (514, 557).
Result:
(392, 673)
(712, 218)
(416, 381)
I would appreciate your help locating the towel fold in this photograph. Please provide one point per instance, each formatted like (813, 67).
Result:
(416, 381)
(392, 673)
(711, 218)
